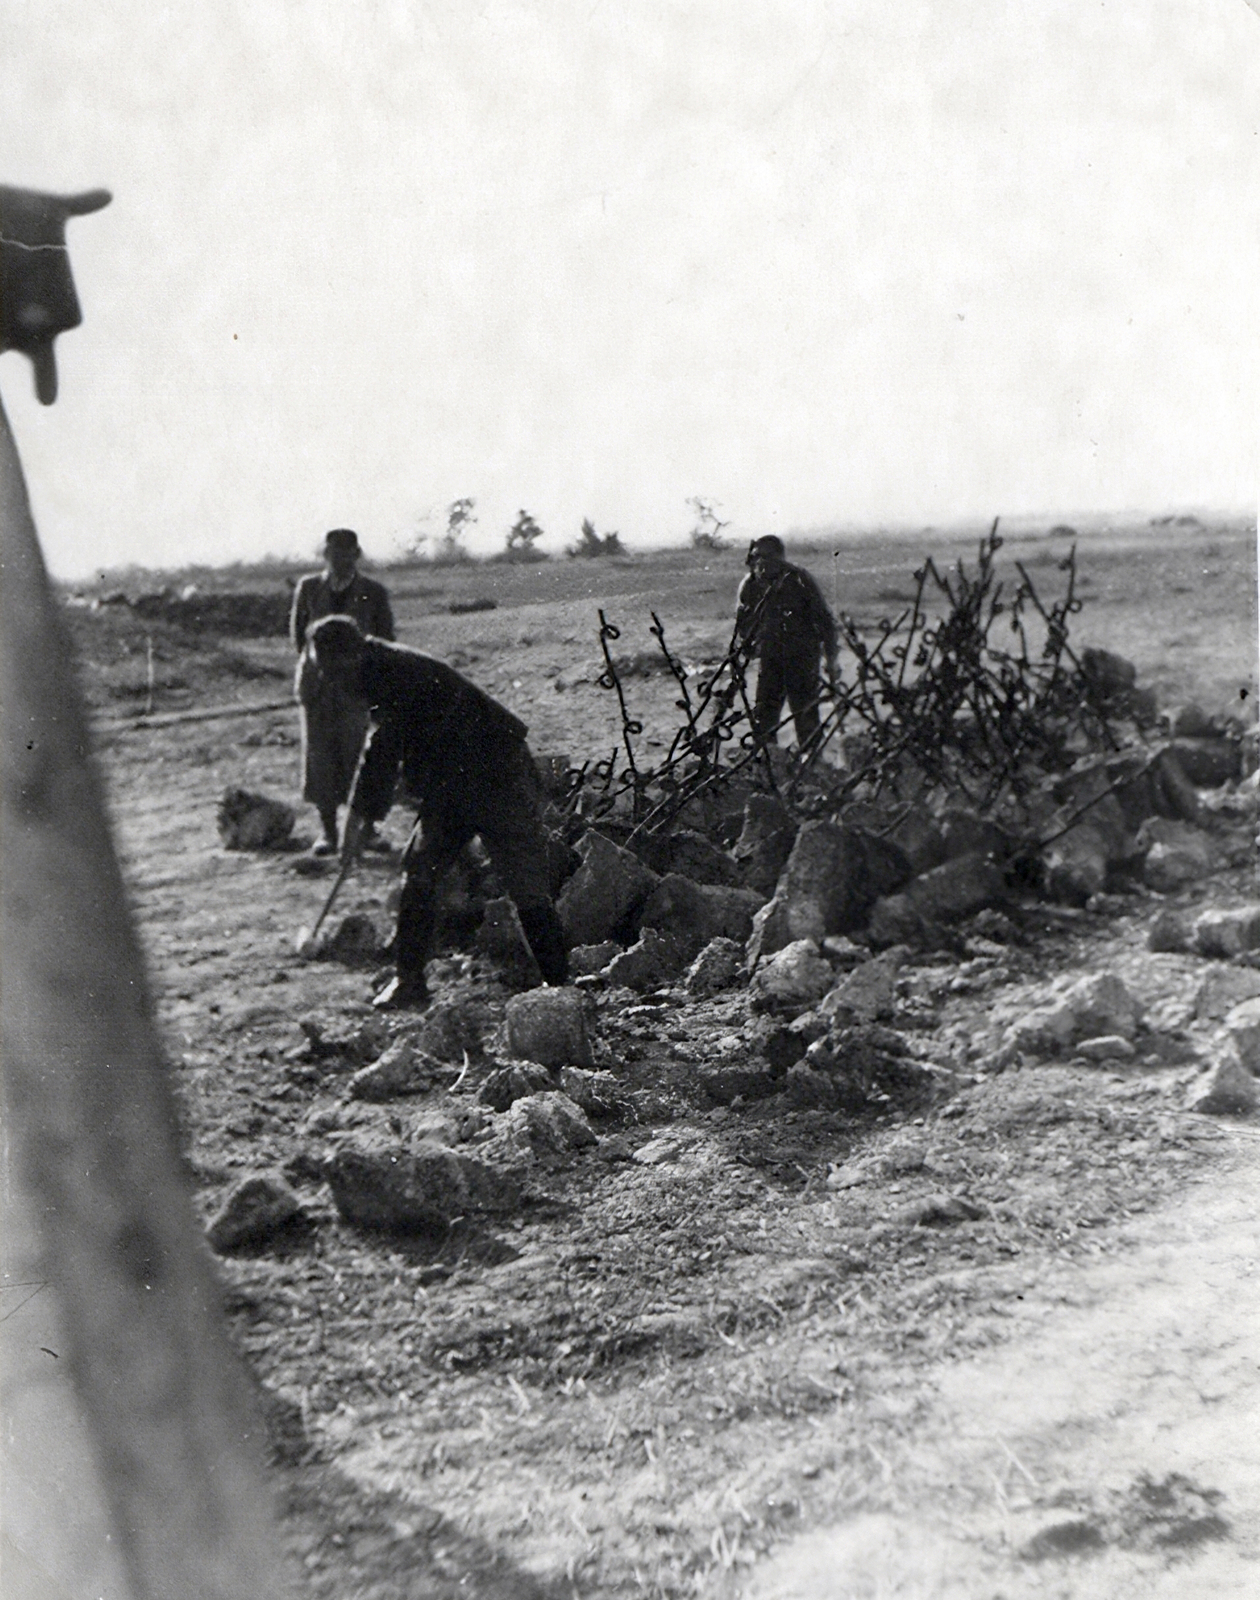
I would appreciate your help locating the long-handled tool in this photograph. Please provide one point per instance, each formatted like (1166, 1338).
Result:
(305, 941)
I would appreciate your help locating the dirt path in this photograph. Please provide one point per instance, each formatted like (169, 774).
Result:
(1027, 1474)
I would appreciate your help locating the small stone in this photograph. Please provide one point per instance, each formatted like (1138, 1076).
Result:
(1168, 933)
(402, 1070)
(938, 1211)
(549, 1026)
(1228, 1087)
(719, 965)
(792, 979)
(1177, 853)
(665, 1148)
(807, 1089)
(1089, 1008)
(958, 888)
(253, 822)
(356, 940)
(1107, 1047)
(1219, 932)
(255, 1210)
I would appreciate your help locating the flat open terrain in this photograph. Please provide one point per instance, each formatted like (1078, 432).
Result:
(674, 1375)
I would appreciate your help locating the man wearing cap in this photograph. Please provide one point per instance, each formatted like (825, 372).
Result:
(781, 617)
(463, 761)
(334, 725)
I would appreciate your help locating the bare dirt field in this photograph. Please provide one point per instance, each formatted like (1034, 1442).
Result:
(729, 1347)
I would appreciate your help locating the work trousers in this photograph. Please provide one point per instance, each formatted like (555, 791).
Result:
(792, 677)
(506, 816)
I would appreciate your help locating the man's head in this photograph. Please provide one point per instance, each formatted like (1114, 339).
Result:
(341, 552)
(338, 647)
(766, 553)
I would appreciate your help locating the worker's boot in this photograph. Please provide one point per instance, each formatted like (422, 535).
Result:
(542, 927)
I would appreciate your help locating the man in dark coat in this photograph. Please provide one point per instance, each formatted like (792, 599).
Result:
(462, 759)
(333, 727)
(782, 617)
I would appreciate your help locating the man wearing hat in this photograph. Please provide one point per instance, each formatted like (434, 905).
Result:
(463, 760)
(782, 617)
(334, 725)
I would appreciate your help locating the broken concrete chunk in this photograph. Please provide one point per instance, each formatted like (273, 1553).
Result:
(869, 992)
(549, 1125)
(403, 1069)
(425, 1189)
(1208, 762)
(719, 965)
(549, 1026)
(808, 1089)
(1227, 933)
(792, 979)
(1177, 853)
(958, 888)
(605, 892)
(1223, 988)
(654, 959)
(696, 857)
(894, 920)
(507, 1084)
(833, 877)
(1089, 1008)
(254, 1211)
(1227, 1087)
(699, 912)
(599, 1094)
(725, 1085)
(586, 959)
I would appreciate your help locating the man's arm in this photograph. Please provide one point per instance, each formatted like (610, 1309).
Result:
(384, 628)
(824, 623)
(746, 604)
(373, 792)
(299, 616)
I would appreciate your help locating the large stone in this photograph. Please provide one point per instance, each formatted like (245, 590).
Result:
(1222, 988)
(698, 858)
(1086, 1009)
(1208, 763)
(512, 1082)
(792, 979)
(549, 1126)
(424, 1189)
(766, 841)
(1108, 674)
(1076, 864)
(869, 992)
(698, 912)
(1189, 722)
(1218, 932)
(451, 1029)
(587, 959)
(964, 833)
(771, 930)
(833, 877)
(548, 1026)
(957, 888)
(403, 1069)
(606, 892)
(653, 960)
(1242, 1024)
(253, 822)
(599, 1094)
(254, 1211)
(1227, 1087)
(1177, 853)
(1168, 933)
(719, 965)
(894, 920)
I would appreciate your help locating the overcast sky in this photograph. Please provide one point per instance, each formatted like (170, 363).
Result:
(819, 262)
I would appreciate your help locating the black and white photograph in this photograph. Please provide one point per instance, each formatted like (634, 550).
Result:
(630, 960)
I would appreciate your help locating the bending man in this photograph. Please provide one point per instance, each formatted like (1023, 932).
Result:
(463, 759)
(782, 617)
(333, 728)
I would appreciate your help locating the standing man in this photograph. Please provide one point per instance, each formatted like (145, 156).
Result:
(464, 762)
(782, 617)
(334, 726)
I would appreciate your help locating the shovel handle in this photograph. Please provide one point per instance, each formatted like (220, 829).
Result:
(341, 877)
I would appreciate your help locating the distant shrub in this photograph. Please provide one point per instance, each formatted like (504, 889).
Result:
(593, 544)
(447, 549)
(522, 540)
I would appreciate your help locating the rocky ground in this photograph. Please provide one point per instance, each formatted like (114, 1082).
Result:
(631, 1286)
